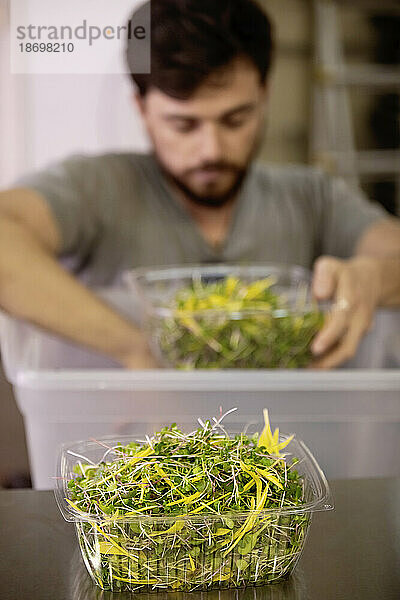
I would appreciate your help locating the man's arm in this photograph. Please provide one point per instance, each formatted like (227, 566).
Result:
(35, 287)
(358, 286)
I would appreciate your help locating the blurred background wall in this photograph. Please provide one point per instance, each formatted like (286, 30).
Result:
(44, 118)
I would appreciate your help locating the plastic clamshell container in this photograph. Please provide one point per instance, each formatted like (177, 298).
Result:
(186, 558)
(223, 337)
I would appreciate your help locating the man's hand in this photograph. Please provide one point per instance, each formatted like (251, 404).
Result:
(354, 287)
(139, 357)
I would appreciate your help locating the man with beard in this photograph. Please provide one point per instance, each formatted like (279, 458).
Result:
(198, 198)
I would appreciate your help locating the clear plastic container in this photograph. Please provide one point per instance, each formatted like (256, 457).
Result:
(188, 557)
(261, 335)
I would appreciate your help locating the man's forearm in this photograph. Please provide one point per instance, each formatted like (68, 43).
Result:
(34, 287)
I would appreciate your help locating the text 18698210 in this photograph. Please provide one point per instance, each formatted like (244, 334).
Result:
(46, 47)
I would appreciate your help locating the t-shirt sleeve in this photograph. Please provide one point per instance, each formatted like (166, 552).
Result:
(345, 214)
(70, 190)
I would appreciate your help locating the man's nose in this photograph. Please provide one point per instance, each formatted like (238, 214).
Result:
(211, 146)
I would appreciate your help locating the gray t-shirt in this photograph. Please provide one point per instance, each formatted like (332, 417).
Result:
(117, 212)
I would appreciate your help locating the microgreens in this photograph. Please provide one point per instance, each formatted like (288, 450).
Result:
(233, 324)
(191, 511)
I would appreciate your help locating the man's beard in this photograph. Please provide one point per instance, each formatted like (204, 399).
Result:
(211, 200)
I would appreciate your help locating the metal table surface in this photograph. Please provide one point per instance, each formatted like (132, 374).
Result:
(352, 553)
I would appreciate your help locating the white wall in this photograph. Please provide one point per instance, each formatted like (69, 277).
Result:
(46, 117)
(12, 155)
(80, 113)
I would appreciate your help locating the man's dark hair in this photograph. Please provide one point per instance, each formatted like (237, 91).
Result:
(191, 39)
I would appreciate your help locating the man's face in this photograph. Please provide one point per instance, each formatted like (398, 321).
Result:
(205, 144)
